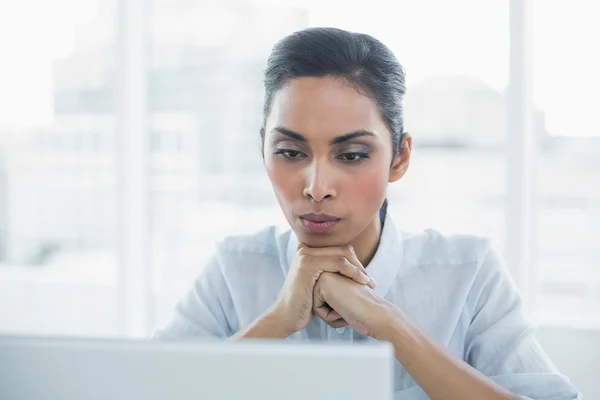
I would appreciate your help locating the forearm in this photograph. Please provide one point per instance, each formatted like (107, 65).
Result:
(267, 326)
(438, 373)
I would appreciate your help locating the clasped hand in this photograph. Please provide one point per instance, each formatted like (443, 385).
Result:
(331, 283)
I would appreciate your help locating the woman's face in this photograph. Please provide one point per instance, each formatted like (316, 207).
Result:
(328, 155)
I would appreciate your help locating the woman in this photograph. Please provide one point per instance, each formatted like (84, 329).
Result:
(333, 138)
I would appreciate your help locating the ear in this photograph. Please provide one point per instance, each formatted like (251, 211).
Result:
(402, 160)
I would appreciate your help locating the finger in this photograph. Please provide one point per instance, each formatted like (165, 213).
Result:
(345, 267)
(320, 262)
(325, 312)
(333, 315)
(339, 323)
(341, 265)
(330, 316)
(353, 258)
(320, 306)
(318, 298)
(315, 266)
(348, 253)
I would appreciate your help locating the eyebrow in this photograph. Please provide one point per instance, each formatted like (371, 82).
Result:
(336, 140)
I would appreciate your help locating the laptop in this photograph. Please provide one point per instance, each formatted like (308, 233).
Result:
(99, 369)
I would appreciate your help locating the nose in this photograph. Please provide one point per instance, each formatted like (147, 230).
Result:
(320, 182)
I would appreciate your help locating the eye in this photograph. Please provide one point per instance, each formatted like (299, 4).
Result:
(353, 157)
(290, 154)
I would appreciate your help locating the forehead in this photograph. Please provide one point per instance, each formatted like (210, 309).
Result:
(324, 107)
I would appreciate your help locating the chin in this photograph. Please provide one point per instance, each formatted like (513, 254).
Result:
(312, 241)
(321, 239)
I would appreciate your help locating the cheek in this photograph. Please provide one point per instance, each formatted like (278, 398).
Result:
(285, 182)
(369, 186)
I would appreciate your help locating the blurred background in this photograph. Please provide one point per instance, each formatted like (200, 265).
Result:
(129, 145)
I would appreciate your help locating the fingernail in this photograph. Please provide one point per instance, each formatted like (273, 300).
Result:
(374, 282)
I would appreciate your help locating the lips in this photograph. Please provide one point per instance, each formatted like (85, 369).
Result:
(319, 217)
(319, 223)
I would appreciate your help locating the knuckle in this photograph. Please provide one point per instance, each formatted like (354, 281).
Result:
(304, 261)
(318, 290)
(324, 277)
(349, 249)
(307, 258)
(342, 263)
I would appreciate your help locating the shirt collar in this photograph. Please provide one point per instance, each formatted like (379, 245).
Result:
(385, 264)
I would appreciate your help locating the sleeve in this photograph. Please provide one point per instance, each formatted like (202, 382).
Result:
(205, 309)
(500, 341)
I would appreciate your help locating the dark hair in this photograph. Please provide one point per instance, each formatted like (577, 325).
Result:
(359, 58)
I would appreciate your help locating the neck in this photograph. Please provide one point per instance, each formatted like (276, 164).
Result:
(365, 245)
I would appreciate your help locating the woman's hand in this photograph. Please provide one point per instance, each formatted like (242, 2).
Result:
(294, 306)
(339, 300)
(439, 373)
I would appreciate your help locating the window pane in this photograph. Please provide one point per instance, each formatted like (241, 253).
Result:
(57, 211)
(566, 88)
(206, 104)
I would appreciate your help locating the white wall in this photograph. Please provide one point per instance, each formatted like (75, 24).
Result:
(576, 352)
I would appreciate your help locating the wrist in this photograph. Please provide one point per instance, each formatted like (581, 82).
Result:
(391, 322)
(276, 320)
(266, 326)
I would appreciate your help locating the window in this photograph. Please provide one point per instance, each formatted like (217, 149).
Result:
(58, 263)
(566, 87)
(196, 117)
(211, 80)
(205, 80)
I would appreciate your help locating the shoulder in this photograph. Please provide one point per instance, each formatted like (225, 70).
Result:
(470, 262)
(431, 247)
(459, 266)
(265, 248)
